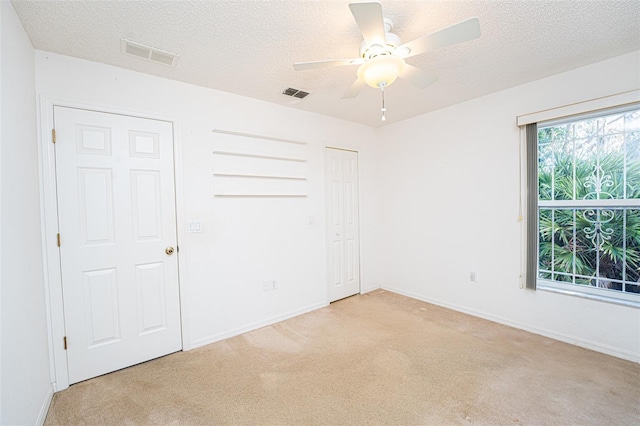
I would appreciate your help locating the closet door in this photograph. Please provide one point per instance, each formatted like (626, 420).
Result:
(343, 242)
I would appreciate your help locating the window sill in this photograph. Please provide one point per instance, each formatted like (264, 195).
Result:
(597, 297)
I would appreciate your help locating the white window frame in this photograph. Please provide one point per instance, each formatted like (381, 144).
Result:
(602, 106)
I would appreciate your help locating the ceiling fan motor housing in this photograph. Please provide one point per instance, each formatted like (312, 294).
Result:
(371, 51)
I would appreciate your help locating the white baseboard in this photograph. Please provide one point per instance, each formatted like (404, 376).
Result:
(369, 289)
(254, 326)
(44, 409)
(587, 344)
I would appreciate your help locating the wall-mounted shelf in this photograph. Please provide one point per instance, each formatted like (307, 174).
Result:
(266, 157)
(262, 195)
(260, 137)
(255, 166)
(259, 176)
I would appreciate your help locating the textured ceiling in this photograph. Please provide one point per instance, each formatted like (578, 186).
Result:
(248, 47)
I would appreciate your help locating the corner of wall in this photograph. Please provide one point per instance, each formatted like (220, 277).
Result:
(26, 380)
(44, 408)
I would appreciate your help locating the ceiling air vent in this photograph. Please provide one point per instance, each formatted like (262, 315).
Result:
(149, 53)
(295, 93)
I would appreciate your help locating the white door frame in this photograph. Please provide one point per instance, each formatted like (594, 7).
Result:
(326, 227)
(49, 224)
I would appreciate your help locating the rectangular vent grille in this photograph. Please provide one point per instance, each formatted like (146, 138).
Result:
(295, 93)
(149, 53)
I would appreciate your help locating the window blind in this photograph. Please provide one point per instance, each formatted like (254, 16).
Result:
(531, 258)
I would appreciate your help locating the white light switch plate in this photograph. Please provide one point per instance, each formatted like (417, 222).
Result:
(194, 226)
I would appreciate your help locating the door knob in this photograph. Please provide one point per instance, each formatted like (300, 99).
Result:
(169, 250)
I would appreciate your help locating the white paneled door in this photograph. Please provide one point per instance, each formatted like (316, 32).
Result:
(343, 250)
(117, 224)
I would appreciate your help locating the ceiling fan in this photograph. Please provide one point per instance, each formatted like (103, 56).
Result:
(382, 56)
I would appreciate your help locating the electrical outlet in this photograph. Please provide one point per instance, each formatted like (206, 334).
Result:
(269, 285)
(473, 276)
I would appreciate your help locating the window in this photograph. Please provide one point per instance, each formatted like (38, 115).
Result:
(588, 212)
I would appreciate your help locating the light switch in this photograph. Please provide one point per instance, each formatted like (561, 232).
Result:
(194, 226)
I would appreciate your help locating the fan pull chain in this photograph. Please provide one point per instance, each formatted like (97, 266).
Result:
(383, 109)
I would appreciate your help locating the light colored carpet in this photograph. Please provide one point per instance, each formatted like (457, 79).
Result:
(374, 359)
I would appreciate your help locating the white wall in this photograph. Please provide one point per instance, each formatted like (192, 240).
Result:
(451, 191)
(26, 384)
(244, 241)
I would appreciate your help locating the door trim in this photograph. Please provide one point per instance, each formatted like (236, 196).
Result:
(49, 225)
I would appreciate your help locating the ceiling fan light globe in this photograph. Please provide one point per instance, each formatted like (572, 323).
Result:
(381, 70)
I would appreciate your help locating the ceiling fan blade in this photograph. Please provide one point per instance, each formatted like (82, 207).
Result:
(369, 18)
(416, 76)
(300, 66)
(464, 31)
(354, 90)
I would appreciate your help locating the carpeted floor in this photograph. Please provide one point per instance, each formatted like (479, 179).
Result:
(374, 359)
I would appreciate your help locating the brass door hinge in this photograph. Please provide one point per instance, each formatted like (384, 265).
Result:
(64, 339)
(58, 237)
(53, 135)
